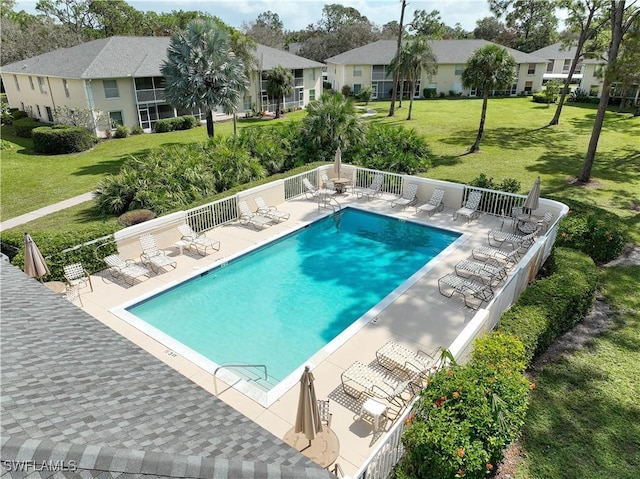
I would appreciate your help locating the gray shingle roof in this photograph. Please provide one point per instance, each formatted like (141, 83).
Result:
(558, 52)
(118, 57)
(75, 390)
(446, 51)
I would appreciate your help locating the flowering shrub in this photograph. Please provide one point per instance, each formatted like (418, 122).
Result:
(598, 233)
(467, 415)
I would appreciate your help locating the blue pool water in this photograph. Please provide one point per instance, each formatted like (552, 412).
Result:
(283, 302)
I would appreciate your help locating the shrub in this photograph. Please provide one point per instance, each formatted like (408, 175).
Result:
(62, 139)
(530, 324)
(278, 148)
(164, 126)
(501, 350)
(137, 130)
(23, 126)
(429, 93)
(121, 132)
(365, 94)
(187, 122)
(326, 85)
(19, 115)
(598, 233)
(135, 217)
(346, 91)
(539, 97)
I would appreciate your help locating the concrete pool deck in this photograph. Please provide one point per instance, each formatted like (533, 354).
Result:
(420, 318)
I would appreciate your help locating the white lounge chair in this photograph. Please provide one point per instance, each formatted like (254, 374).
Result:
(197, 240)
(468, 288)
(313, 192)
(152, 255)
(496, 256)
(470, 208)
(270, 211)
(486, 273)
(434, 204)
(373, 189)
(360, 378)
(499, 237)
(417, 364)
(127, 269)
(247, 217)
(408, 198)
(75, 275)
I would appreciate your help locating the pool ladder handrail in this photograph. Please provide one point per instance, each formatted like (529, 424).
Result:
(225, 366)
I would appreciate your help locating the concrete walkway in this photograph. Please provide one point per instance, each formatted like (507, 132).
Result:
(47, 210)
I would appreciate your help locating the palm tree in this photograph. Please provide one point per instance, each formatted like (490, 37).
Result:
(400, 66)
(489, 68)
(279, 84)
(331, 121)
(201, 70)
(421, 58)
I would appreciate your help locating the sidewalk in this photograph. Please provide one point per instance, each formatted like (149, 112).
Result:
(18, 220)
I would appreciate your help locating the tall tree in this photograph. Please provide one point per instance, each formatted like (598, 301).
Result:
(267, 30)
(626, 71)
(489, 68)
(115, 17)
(279, 85)
(622, 19)
(396, 78)
(73, 13)
(534, 21)
(390, 30)
(488, 28)
(583, 19)
(421, 59)
(201, 70)
(428, 24)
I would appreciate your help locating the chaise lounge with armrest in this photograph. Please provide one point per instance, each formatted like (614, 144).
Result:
(270, 211)
(434, 204)
(486, 273)
(418, 365)
(373, 189)
(152, 255)
(247, 217)
(197, 240)
(496, 256)
(470, 207)
(499, 237)
(125, 269)
(468, 288)
(408, 198)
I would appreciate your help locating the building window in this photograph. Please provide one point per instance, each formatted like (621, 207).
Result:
(312, 95)
(528, 86)
(65, 85)
(578, 68)
(38, 110)
(110, 89)
(15, 79)
(49, 114)
(41, 85)
(532, 69)
(356, 88)
(31, 83)
(550, 66)
(312, 74)
(566, 66)
(357, 70)
(115, 118)
(459, 69)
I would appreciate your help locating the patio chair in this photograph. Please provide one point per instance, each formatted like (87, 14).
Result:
(434, 204)
(152, 255)
(486, 273)
(528, 227)
(310, 192)
(373, 189)
(470, 208)
(418, 365)
(325, 415)
(125, 269)
(75, 275)
(513, 219)
(197, 240)
(500, 237)
(72, 295)
(360, 378)
(247, 217)
(495, 256)
(270, 211)
(467, 288)
(408, 198)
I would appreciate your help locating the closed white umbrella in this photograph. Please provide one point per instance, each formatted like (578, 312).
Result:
(34, 264)
(308, 416)
(533, 198)
(337, 162)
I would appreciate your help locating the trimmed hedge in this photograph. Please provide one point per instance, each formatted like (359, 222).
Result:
(552, 305)
(62, 139)
(185, 122)
(23, 126)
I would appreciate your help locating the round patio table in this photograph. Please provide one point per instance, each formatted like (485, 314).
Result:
(324, 449)
(56, 286)
(341, 183)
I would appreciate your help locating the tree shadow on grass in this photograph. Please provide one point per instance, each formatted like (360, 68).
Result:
(111, 166)
(619, 123)
(513, 138)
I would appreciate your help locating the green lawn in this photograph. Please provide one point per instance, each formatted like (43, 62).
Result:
(583, 419)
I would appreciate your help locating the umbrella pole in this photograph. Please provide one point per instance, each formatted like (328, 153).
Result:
(307, 447)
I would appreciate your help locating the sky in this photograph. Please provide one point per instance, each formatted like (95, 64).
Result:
(298, 14)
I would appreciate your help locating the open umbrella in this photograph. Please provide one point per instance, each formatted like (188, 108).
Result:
(337, 162)
(308, 416)
(34, 264)
(531, 203)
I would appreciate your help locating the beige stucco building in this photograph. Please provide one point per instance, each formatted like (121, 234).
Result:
(368, 66)
(119, 79)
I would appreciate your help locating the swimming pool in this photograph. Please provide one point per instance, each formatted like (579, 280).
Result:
(283, 302)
